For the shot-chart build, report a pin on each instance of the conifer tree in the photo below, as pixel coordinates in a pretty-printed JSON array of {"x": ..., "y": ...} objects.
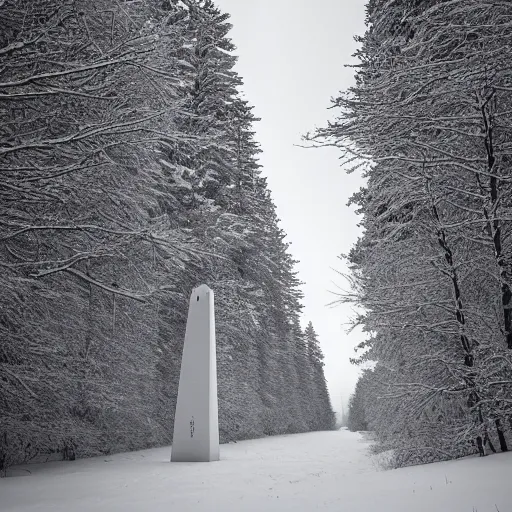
[
  {"x": 114, "y": 206},
  {"x": 323, "y": 415},
  {"x": 422, "y": 121}
]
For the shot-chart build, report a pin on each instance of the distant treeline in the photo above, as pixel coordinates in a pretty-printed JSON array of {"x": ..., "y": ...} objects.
[
  {"x": 429, "y": 123},
  {"x": 129, "y": 175}
]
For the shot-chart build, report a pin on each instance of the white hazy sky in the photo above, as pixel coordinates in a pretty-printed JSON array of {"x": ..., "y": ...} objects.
[{"x": 291, "y": 58}]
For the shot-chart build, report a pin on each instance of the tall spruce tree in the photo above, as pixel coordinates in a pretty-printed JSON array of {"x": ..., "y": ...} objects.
[
  {"x": 425, "y": 122},
  {"x": 114, "y": 206},
  {"x": 323, "y": 415}
]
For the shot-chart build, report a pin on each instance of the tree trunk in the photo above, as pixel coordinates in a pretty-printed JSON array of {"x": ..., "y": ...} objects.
[
  {"x": 501, "y": 436},
  {"x": 491, "y": 216},
  {"x": 469, "y": 360}
]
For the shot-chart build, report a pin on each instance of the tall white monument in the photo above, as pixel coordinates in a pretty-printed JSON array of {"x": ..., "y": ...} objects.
[{"x": 196, "y": 422}]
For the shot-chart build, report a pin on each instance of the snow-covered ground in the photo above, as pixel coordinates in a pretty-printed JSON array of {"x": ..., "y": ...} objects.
[{"x": 325, "y": 471}]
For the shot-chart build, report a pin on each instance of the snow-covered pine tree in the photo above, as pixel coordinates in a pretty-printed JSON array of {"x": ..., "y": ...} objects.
[
  {"x": 357, "y": 406},
  {"x": 77, "y": 180},
  {"x": 323, "y": 415},
  {"x": 424, "y": 116},
  {"x": 113, "y": 207}
]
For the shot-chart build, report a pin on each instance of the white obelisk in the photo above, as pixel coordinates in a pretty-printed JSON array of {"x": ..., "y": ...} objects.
[{"x": 196, "y": 422}]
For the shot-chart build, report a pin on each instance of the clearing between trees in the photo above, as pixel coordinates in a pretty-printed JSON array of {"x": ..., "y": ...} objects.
[{"x": 327, "y": 471}]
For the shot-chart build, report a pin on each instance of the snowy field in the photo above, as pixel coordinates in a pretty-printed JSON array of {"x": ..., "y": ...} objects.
[{"x": 325, "y": 471}]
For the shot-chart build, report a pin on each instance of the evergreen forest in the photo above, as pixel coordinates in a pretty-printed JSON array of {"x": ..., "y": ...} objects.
[
  {"x": 428, "y": 124},
  {"x": 129, "y": 175}
]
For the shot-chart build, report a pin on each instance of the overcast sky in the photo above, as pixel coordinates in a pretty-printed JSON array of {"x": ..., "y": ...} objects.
[{"x": 291, "y": 58}]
